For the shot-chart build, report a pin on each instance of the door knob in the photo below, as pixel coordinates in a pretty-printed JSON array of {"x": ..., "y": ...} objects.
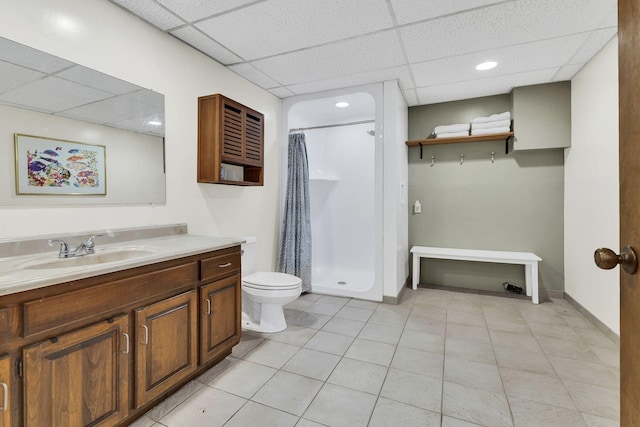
[{"x": 606, "y": 259}]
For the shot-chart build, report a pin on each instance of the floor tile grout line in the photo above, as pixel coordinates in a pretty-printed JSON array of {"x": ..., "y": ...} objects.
[{"x": 537, "y": 338}]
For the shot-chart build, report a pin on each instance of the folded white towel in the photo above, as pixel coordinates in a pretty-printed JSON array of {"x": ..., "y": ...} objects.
[
  {"x": 451, "y": 134},
  {"x": 490, "y": 131},
  {"x": 493, "y": 118},
  {"x": 489, "y": 125},
  {"x": 459, "y": 127}
]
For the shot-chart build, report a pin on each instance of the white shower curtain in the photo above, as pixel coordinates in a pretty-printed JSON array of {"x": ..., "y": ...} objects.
[{"x": 295, "y": 242}]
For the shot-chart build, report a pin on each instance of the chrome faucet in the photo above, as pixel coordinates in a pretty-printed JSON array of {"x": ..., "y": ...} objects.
[{"x": 85, "y": 248}]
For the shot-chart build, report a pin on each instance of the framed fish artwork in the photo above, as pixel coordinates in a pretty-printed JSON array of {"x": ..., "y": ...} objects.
[{"x": 50, "y": 167}]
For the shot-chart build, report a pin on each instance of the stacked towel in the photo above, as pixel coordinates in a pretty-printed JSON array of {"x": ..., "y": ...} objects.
[
  {"x": 495, "y": 123},
  {"x": 450, "y": 131}
]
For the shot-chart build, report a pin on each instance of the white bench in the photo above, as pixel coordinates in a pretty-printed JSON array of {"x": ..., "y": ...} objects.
[{"x": 528, "y": 259}]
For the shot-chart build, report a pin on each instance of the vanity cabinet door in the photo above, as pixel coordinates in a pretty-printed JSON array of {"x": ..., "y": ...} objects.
[
  {"x": 166, "y": 345},
  {"x": 79, "y": 379},
  {"x": 5, "y": 390},
  {"x": 220, "y": 317}
]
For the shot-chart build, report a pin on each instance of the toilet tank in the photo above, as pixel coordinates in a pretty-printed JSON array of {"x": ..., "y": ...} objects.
[{"x": 249, "y": 257}]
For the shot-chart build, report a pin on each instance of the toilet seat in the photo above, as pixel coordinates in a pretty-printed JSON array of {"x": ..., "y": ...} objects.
[{"x": 271, "y": 281}]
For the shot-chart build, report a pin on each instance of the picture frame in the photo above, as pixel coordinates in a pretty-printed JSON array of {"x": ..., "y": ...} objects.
[{"x": 57, "y": 167}]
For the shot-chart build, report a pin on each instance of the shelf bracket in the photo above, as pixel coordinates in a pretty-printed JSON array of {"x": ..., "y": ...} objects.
[
  {"x": 420, "y": 144},
  {"x": 506, "y": 144}
]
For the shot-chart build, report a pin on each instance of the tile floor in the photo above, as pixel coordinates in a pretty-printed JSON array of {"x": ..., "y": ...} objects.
[{"x": 439, "y": 358}]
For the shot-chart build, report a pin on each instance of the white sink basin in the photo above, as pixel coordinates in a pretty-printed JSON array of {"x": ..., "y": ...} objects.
[{"x": 109, "y": 255}]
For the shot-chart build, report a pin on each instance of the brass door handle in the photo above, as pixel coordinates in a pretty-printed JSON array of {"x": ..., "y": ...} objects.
[{"x": 606, "y": 259}]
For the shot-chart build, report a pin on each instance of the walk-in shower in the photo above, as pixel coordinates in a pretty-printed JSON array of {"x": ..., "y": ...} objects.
[{"x": 345, "y": 185}]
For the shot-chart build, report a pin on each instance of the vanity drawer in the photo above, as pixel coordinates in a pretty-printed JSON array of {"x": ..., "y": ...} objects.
[
  {"x": 220, "y": 266},
  {"x": 51, "y": 312}
]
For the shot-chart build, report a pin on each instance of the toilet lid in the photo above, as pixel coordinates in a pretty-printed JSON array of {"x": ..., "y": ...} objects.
[{"x": 271, "y": 280}]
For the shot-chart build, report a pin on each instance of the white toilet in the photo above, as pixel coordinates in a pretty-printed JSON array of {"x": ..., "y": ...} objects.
[{"x": 265, "y": 293}]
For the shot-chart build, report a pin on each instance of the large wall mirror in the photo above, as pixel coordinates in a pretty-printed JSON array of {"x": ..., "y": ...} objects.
[{"x": 52, "y": 98}]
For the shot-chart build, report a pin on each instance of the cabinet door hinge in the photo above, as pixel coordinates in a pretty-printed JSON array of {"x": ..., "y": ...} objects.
[{"x": 19, "y": 367}]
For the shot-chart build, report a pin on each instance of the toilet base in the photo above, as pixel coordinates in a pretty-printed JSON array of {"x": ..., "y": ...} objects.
[{"x": 271, "y": 319}]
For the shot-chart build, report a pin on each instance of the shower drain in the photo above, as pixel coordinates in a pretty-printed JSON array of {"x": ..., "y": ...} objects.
[{"x": 342, "y": 282}]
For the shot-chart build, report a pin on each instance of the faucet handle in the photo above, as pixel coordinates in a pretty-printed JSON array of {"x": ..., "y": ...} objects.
[
  {"x": 89, "y": 244},
  {"x": 64, "y": 248}
]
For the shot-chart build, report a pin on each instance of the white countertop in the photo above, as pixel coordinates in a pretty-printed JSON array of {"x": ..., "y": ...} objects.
[{"x": 15, "y": 278}]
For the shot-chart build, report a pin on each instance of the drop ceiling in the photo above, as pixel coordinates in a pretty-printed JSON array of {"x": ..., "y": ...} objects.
[
  {"x": 34, "y": 80},
  {"x": 431, "y": 47}
]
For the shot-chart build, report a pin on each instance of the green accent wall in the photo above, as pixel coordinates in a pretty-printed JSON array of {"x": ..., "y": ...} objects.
[{"x": 515, "y": 203}]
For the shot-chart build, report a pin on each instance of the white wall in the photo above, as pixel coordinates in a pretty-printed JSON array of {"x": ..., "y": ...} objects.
[
  {"x": 591, "y": 187},
  {"x": 100, "y": 35},
  {"x": 396, "y": 215}
]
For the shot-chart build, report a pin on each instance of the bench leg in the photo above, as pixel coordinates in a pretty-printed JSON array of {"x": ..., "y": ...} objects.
[
  {"x": 416, "y": 272},
  {"x": 531, "y": 280},
  {"x": 534, "y": 283}
]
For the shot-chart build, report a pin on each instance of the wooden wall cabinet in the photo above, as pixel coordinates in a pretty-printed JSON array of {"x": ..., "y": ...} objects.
[
  {"x": 230, "y": 136},
  {"x": 102, "y": 351}
]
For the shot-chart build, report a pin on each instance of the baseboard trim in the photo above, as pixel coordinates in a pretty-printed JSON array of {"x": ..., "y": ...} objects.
[
  {"x": 593, "y": 319},
  {"x": 396, "y": 300},
  {"x": 555, "y": 294}
]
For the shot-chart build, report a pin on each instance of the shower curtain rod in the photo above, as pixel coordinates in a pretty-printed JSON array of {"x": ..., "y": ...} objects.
[{"x": 361, "y": 122}]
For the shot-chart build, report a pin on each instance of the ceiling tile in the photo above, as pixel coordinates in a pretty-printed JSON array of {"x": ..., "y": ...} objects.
[
  {"x": 194, "y": 10},
  {"x": 594, "y": 43},
  {"x": 96, "y": 79},
  {"x": 206, "y": 45},
  {"x": 408, "y": 11},
  {"x": 359, "y": 55},
  {"x": 501, "y": 25},
  {"x": 567, "y": 72},
  {"x": 52, "y": 94},
  {"x": 512, "y": 59},
  {"x": 294, "y": 24},
  {"x": 141, "y": 124},
  {"x": 146, "y": 97},
  {"x": 281, "y": 92},
  {"x": 411, "y": 97},
  {"x": 254, "y": 75},
  {"x": 397, "y": 73},
  {"x": 28, "y": 57},
  {"x": 14, "y": 76},
  {"x": 151, "y": 12},
  {"x": 482, "y": 87},
  {"x": 110, "y": 110}
]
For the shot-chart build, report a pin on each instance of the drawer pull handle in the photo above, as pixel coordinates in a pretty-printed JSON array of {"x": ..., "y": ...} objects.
[
  {"x": 224, "y": 265},
  {"x": 146, "y": 335},
  {"x": 126, "y": 337},
  {"x": 208, "y": 306},
  {"x": 5, "y": 400}
]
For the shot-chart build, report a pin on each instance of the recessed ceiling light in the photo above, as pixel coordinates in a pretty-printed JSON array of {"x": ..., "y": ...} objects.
[
  {"x": 154, "y": 123},
  {"x": 342, "y": 104},
  {"x": 486, "y": 65}
]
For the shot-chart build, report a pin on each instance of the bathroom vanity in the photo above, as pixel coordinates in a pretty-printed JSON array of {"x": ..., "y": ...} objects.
[{"x": 101, "y": 342}]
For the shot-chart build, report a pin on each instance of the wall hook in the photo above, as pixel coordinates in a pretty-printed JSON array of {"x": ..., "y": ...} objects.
[
  {"x": 493, "y": 154},
  {"x": 433, "y": 160},
  {"x": 461, "y": 158}
]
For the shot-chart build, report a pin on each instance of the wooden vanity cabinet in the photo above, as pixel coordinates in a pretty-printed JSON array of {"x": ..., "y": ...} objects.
[
  {"x": 220, "y": 318},
  {"x": 102, "y": 351},
  {"x": 221, "y": 303},
  {"x": 166, "y": 345},
  {"x": 6, "y": 381},
  {"x": 80, "y": 378}
]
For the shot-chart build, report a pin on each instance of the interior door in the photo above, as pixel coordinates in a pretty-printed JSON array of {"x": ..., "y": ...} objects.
[{"x": 629, "y": 103}]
